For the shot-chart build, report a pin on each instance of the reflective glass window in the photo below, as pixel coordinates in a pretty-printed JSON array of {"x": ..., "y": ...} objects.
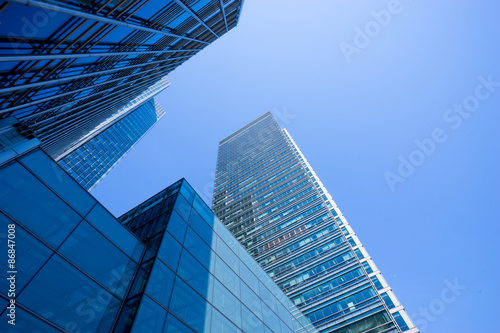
[
  {"x": 199, "y": 249},
  {"x": 65, "y": 296},
  {"x": 187, "y": 191},
  {"x": 177, "y": 226},
  {"x": 121, "y": 236},
  {"x": 96, "y": 255},
  {"x": 190, "y": 307},
  {"x": 201, "y": 227},
  {"x": 182, "y": 207},
  {"x": 170, "y": 251},
  {"x": 271, "y": 319},
  {"x": 249, "y": 278},
  {"x": 30, "y": 254},
  {"x": 227, "y": 255},
  {"x": 203, "y": 209},
  {"x": 267, "y": 297},
  {"x": 251, "y": 300},
  {"x": 195, "y": 275},
  {"x": 222, "y": 324},
  {"x": 227, "y": 303},
  {"x": 250, "y": 322},
  {"x": 227, "y": 276},
  {"x": 160, "y": 283},
  {"x": 27, "y": 200},
  {"x": 59, "y": 181},
  {"x": 173, "y": 325},
  {"x": 150, "y": 317},
  {"x": 24, "y": 323}
]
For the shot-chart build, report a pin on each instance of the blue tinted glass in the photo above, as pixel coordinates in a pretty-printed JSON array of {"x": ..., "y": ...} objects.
[
  {"x": 387, "y": 300},
  {"x": 190, "y": 307},
  {"x": 170, "y": 251},
  {"x": 251, "y": 300},
  {"x": 160, "y": 283},
  {"x": 173, "y": 325},
  {"x": 65, "y": 296},
  {"x": 27, "y": 200},
  {"x": 203, "y": 209},
  {"x": 121, "y": 236},
  {"x": 401, "y": 322},
  {"x": 60, "y": 182},
  {"x": 377, "y": 283},
  {"x": 30, "y": 254},
  {"x": 267, "y": 297},
  {"x": 250, "y": 322},
  {"x": 249, "y": 278},
  {"x": 93, "y": 253},
  {"x": 227, "y": 276},
  {"x": 201, "y": 227},
  {"x": 199, "y": 249},
  {"x": 270, "y": 318},
  {"x": 176, "y": 226},
  {"x": 221, "y": 323},
  {"x": 228, "y": 238},
  {"x": 182, "y": 207},
  {"x": 195, "y": 275},
  {"x": 227, "y": 255},
  {"x": 187, "y": 191},
  {"x": 24, "y": 322},
  {"x": 150, "y": 317},
  {"x": 227, "y": 303},
  {"x": 285, "y": 328}
]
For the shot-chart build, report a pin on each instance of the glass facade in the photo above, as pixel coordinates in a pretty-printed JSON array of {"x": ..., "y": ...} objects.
[
  {"x": 168, "y": 265},
  {"x": 67, "y": 65},
  {"x": 89, "y": 163},
  {"x": 272, "y": 201}
]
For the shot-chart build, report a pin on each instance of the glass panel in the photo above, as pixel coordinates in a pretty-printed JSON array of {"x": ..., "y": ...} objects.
[
  {"x": 267, "y": 297},
  {"x": 182, "y": 207},
  {"x": 249, "y": 278},
  {"x": 59, "y": 181},
  {"x": 251, "y": 300},
  {"x": 196, "y": 275},
  {"x": 150, "y": 317},
  {"x": 227, "y": 276},
  {"x": 30, "y": 254},
  {"x": 190, "y": 307},
  {"x": 227, "y": 255},
  {"x": 221, "y": 324},
  {"x": 27, "y": 200},
  {"x": 250, "y": 322},
  {"x": 93, "y": 253},
  {"x": 170, "y": 251},
  {"x": 109, "y": 226},
  {"x": 201, "y": 227},
  {"x": 160, "y": 283},
  {"x": 65, "y": 296},
  {"x": 187, "y": 191},
  {"x": 24, "y": 322},
  {"x": 227, "y": 303},
  {"x": 271, "y": 319},
  {"x": 176, "y": 226},
  {"x": 203, "y": 209},
  {"x": 173, "y": 325},
  {"x": 199, "y": 249}
]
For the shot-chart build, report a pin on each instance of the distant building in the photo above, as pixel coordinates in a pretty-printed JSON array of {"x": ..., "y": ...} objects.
[
  {"x": 272, "y": 201},
  {"x": 78, "y": 269},
  {"x": 67, "y": 66},
  {"x": 96, "y": 154}
]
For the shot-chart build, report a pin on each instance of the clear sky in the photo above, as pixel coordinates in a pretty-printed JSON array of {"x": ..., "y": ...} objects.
[{"x": 399, "y": 118}]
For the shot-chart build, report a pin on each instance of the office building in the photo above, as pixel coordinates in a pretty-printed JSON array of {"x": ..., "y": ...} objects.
[
  {"x": 76, "y": 268},
  {"x": 269, "y": 197},
  {"x": 66, "y": 66},
  {"x": 95, "y": 158}
]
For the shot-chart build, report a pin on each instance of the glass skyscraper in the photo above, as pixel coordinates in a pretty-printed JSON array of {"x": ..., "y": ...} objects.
[
  {"x": 92, "y": 161},
  {"x": 67, "y": 65},
  {"x": 167, "y": 266},
  {"x": 271, "y": 200}
]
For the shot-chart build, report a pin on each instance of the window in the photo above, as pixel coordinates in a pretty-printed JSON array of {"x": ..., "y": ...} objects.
[
  {"x": 160, "y": 283},
  {"x": 150, "y": 317}
]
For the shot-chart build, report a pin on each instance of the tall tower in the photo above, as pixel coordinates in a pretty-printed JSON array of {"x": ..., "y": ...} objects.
[
  {"x": 67, "y": 65},
  {"x": 269, "y": 197}
]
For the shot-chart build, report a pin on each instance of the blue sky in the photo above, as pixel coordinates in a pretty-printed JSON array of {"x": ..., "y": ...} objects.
[{"x": 386, "y": 125}]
